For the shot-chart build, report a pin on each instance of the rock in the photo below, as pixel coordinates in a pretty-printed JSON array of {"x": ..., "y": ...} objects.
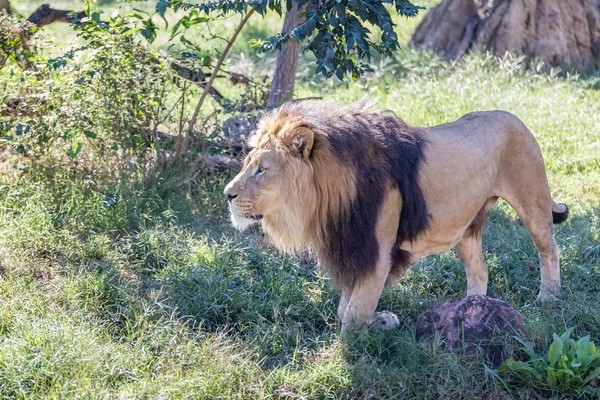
[
  {"x": 223, "y": 163},
  {"x": 475, "y": 321},
  {"x": 238, "y": 129}
]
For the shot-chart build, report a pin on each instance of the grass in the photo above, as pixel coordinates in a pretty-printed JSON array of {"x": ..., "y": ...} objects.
[{"x": 156, "y": 296}]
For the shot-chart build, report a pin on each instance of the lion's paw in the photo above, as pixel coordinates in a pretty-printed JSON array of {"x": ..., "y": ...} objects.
[
  {"x": 549, "y": 293},
  {"x": 547, "y": 297},
  {"x": 385, "y": 320}
]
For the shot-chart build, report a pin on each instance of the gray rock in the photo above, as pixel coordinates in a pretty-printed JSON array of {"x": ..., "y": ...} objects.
[
  {"x": 475, "y": 321},
  {"x": 223, "y": 162},
  {"x": 238, "y": 129}
]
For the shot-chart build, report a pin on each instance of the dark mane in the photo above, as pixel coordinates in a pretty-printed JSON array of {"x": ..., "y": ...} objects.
[{"x": 380, "y": 149}]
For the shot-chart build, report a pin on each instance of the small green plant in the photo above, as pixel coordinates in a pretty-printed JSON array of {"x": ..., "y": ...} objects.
[{"x": 569, "y": 364}]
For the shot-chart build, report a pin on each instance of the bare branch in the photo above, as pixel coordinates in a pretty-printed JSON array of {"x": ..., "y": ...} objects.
[
  {"x": 186, "y": 140},
  {"x": 46, "y": 15}
]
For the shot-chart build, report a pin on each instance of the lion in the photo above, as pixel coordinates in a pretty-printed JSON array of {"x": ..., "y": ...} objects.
[{"x": 369, "y": 194}]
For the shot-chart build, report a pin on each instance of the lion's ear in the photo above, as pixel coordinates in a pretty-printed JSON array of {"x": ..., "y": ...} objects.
[{"x": 301, "y": 141}]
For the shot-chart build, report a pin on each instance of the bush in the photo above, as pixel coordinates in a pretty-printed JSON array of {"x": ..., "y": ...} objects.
[
  {"x": 104, "y": 100},
  {"x": 569, "y": 364}
]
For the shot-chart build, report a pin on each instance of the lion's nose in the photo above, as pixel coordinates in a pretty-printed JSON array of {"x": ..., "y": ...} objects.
[{"x": 230, "y": 196}]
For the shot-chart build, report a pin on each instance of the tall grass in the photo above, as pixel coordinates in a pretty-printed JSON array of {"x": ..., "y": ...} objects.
[{"x": 129, "y": 291}]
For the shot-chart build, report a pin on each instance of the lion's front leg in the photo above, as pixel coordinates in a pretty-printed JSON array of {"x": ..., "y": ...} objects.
[
  {"x": 357, "y": 305},
  {"x": 344, "y": 299}
]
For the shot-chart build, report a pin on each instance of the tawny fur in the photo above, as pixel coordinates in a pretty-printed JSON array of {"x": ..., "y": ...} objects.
[
  {"x": 333, "y": 171},
  {"x": 312, "y": 191},
  {"x": 316, "y": 169}
]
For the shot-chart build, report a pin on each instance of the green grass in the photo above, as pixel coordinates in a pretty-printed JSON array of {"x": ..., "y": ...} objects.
[{"x": 156, "y": 296}]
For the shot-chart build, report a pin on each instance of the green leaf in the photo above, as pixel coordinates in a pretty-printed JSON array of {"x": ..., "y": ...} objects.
[
  {"x": 527, "y": 347},
  {"x": 566, "y": 334},
  {"x": 96, "y": 17},
  {"x": 515, "y": 366},
  {"x": 556, "y": 350},
  {"x": 564, "y": 375},
  {"x": 161, "y": 8},
  {"x": 583, "y": 348},
  {"x": 74, "y": 149},
  {"x": 88, "y": 6},
  {"x": 587, "y": 362},
  {"x": 551, "y": 376},
  {"x": 149, "y": 30},
  {"x": 174, "y": 30},
  {"x": 70, "y": 134},
  {"x": 22, "y": 129},
  {"x": 89, "y": 134}
]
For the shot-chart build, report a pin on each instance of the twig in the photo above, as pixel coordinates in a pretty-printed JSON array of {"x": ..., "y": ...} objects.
[
  {"x": 186, "y": 140},
  {"x": 181, "y": 115},
  {"x": 197, "y": 78},
  {"x": 45, "y": 15}
]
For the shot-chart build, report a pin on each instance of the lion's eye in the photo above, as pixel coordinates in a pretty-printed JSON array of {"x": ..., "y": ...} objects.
[{"x": 260, "y": 170}]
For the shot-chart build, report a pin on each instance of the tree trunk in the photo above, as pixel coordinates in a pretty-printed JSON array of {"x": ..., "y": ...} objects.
[
  {"x": 286, "y": 63},
  {"x": 554, "y": 31},
  {"x": 5, "y": 5}
]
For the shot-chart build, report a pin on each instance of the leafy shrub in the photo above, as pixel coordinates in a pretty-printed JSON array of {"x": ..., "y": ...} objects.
[
  {"x": 13, "y": 39},
  {"x": 114, "y": 99},
  {"x": 569, "y": 364},
  {"x": 105, "y": 97}
]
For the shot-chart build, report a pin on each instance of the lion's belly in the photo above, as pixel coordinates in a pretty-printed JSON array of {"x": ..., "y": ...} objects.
[
  {"x": 451, "y": 213},
  {"x": 429, "y": 244}
]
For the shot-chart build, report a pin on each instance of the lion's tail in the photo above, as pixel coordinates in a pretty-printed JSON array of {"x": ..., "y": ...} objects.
[{"x": 560, "y": 212}]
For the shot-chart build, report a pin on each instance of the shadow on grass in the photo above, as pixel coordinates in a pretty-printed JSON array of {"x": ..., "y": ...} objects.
[
  {"x": 192, "y": 267},
  {"x": 281, "y": 308}
]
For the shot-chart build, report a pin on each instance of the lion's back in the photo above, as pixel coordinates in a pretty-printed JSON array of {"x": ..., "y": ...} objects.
[{"x": 484, "y": 132}]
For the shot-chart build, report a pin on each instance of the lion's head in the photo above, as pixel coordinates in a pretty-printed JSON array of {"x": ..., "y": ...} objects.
[{"x": 276, "y": 185}]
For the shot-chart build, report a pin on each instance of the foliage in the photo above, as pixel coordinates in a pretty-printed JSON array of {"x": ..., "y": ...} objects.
[
  {"x": 129, "y": 290},
  {"x": 107, "y": 96},
  {"x": 113, "y": 97},
  {"x": 568, "y": 363},
  {"x": 13, "y": 39},
  {"x": 336, "y": 31}
]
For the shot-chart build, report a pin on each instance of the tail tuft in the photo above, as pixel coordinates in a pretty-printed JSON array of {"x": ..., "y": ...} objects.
[{"x": 559, "y": 217}]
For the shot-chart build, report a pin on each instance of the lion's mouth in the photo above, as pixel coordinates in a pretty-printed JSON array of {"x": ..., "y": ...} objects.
[{"x": 242, "y": 220}]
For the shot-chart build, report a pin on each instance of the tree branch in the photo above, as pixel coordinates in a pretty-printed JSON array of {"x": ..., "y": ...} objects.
[
  {"x": 46, "y": 15},
  {"x": 186, "y": 140}
]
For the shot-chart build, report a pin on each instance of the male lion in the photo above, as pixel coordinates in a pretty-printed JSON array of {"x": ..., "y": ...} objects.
[{"x": 370, "y": 194}]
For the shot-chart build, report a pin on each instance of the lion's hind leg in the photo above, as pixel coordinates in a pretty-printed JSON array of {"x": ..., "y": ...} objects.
[
  {"x": 523, "y": 183},
  {"x": 470, "y": 252},
  {"x": 538, "y": 212},
  {"x": 539, "y": 224}
]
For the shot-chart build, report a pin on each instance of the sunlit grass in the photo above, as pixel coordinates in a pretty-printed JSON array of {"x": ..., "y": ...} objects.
[{"x": 157, "y": 297}]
